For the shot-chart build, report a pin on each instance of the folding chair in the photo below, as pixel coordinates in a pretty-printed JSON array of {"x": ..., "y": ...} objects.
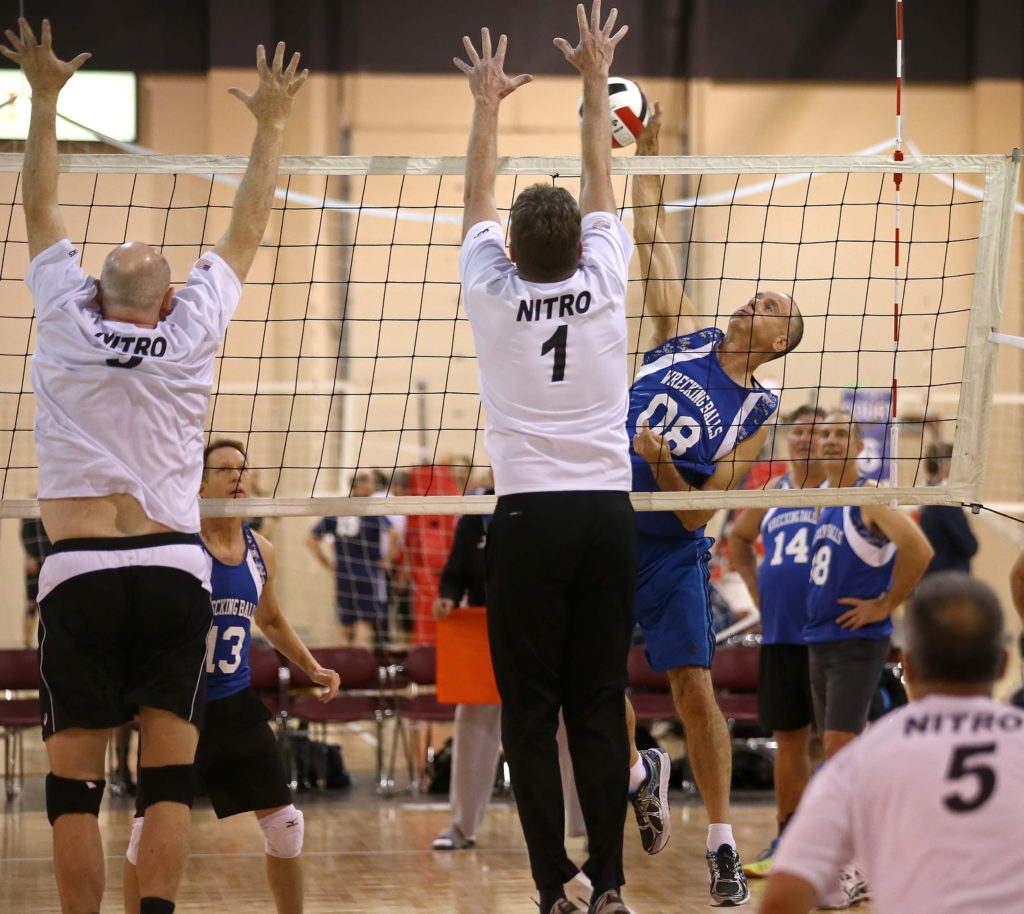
[
  {"x": 19, "y": 672},
  {"x": 360, "y": 697},
  {"x": 420, "y": 706}
]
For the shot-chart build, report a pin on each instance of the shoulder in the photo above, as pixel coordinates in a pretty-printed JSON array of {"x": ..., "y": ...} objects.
[{"x": 698, "y": 342}]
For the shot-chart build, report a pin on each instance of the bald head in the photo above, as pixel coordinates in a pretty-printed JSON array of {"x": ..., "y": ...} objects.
[
  {"x": 955, "y": 631},
  {"x": 134, "y": 281}
]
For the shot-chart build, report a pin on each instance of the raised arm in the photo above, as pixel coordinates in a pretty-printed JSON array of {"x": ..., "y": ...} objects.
[
  {"x": 279, "y": 631},
  {"x": 46, "y": 76},
  {"x": 271, "y": 105},
  {"x": 665, "y": 302},
  {"x": 489, "y": 85},
  {"x": 593, "y": 58}
]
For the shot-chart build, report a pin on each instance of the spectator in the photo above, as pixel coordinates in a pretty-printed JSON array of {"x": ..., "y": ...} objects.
[{"x": 945, "y": 526}]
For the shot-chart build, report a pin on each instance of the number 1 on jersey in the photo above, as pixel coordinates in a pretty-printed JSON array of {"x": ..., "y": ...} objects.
[{"x": 557, "y": 341}]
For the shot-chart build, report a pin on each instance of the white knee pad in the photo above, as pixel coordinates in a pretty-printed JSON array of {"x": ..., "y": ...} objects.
[
  {"x": 133, "y": 842},
  {"x": 282, "y": 831}
]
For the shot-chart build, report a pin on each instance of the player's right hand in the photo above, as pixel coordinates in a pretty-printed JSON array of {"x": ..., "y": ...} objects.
[
  {"x": 271, "y": 103},
  {"x": 46, "y": 74},
  {"x": 647, "y": 142}
]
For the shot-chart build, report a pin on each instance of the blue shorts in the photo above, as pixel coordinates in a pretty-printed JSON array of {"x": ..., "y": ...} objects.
[
  {"x": 362, "y": 599},
  {"x": 673, "y": 601}
]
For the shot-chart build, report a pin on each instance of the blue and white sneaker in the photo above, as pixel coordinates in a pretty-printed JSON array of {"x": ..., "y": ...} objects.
[{"x": 650, "y": 802}]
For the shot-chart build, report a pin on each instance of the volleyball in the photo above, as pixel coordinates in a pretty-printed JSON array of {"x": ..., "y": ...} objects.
[{"x": 629, "y": 110}]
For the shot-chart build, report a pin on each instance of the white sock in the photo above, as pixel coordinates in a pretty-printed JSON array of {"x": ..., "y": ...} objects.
[
  {"x": 719, "y": 834},
  {"x": 637, "y": 773}
]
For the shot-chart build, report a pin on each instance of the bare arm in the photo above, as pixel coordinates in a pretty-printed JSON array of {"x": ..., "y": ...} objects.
[
  {"x": 741, "y": 538},
  {"x": 593, "y": 58},
  {"x": 280, "y": 633},
  {"x": 1017, "y": 585},
  {"x": 913, "y": 553},
  {"x": 665, "y": 302},
  {"x": 47, "y": 76},
  {"x": 730, "y": 470},
  {"x": 489, "y": 85},
  {"x": 313, "y": 545},
  {"x": 271, "y": 105}
]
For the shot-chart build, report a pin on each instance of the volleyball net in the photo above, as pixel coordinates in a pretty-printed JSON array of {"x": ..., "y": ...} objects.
[{"x": 350, "y": 350}]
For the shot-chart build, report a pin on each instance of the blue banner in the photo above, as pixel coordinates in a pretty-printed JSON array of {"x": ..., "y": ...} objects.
[{"x": 871, "y": 407}]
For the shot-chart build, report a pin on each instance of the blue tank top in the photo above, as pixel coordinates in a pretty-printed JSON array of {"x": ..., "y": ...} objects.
[
  {"x": 235, "y": 594},
  {"x": 847, "y": 560},
  {"x": 782, "y": 577},
  {"x": 684, "y": 394}
]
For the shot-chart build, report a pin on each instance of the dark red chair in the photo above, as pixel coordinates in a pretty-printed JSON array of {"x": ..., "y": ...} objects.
[
  {"x": 271, "y": 678},
  {"x": 649, "y": 692},
  {"x": 418, "y": 706},
  {"x": 361, "y": 696},
  {"x": 734, "y": 676},
  {"x": 19, "y": 672}
]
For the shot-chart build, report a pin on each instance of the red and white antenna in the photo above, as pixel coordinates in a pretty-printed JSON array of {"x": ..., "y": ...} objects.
[{"x": 897, "y": 179}]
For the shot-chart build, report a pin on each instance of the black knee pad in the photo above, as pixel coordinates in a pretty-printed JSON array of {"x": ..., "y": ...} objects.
[
  {"x": 166, "y": 784},
  {"x": 66, "y": 795}
]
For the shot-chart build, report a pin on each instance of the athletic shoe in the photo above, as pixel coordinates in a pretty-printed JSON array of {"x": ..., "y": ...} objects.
[
  {"x": 854, "y": 885},
  {"x": 609, "y": 902},
  {"x": 650, "y": 802},
  {"x": 728, "y": 886},
  {"x": 451, "y": 839},
  {"x": 762, "y": 866},
  {"x": 564, "y": 906}
]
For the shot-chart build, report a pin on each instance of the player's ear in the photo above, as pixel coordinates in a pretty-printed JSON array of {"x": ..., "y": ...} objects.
[
  {"x": 1003, "y": 661},
  {"x": 167, "y": 303},
  {"x": 99, "y": 292},
  {"x": 781, "y": 343},
  {"x": 512, "y": 253}
]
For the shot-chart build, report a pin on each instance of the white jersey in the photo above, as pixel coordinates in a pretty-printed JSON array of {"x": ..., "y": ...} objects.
[
  {"x": 120, "y": 408},
  {"x": 928, "y": 803},
  {"x": 552, "y": 357}
]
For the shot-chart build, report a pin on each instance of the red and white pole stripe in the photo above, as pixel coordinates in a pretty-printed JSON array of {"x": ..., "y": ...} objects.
[{"x": 897, "y": 180}]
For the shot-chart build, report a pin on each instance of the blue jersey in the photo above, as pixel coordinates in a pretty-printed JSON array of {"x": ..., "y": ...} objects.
[
  {"x": 847, "y": 560},
  {"x": 684, "y": 394},
  {"x": 358, "y": 545},
  {"x": 782, "y": 577},
  {"x": 236, "y": 591}
]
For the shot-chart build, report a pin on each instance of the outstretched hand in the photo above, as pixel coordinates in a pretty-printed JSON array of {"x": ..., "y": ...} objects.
[
  {"x": 271, "y": 103},
  {"x": 46, "y": 74},
  {"x": 647, "y": 142},
  {"x": 487, "y": 78},
  {"x": 597, "y": 45}
]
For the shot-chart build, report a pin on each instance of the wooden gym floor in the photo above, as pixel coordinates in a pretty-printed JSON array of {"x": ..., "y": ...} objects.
[{"x": 365, "y": 853}]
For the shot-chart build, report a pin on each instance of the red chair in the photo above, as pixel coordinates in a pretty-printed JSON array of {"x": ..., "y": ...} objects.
[
  {"x": 360, "y": 697},
  {"x": 19, "y": 672},
  {"x": 734, "y": 676},
  {"x": 271, "y": 678},
  {"x": 420, "y": 706},
  {"x": 649, "y": 692}
]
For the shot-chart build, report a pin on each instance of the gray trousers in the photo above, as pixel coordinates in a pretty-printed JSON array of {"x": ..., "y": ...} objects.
[{"x": 476, "y": 744}]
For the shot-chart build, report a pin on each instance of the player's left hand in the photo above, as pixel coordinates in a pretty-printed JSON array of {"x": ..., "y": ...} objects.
[
  {"x": 329, "y": 680},
  {"x": 864, "y": 612}
]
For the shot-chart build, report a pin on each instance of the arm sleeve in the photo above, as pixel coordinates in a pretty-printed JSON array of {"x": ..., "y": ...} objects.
[
  {"x": 323, "y": 527},
  {"x": 818, "y": 841},
  {"x": 455, "y": 578},
  {"x": 55, "y": 278},
  {"x": 205, "y": 306},
  {"x": 959, "y": 530},
  {"x": 482, "y": 254},
  {"x": 607, "y": 247}
]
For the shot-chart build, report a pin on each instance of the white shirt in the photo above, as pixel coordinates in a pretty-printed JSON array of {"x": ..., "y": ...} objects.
[
  {"x": 122, "y": 408},
  {"x": 552, "y": 357},
  {"x": 929, "y": 803}
]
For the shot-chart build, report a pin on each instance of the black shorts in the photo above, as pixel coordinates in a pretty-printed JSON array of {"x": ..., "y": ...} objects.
[
  {"x": 122, "y": 625},
  {"x": 784, "y": 688},
  {"x": 238, "y": 761}
]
